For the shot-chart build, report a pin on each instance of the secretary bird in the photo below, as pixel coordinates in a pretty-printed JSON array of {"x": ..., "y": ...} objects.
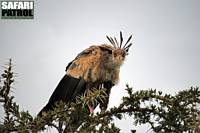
[{"x": 94, "y": 68}]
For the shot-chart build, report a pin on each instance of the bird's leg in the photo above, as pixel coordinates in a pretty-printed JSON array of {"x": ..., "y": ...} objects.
[
  {"x": 104, "y": 103},
  {"x": 91, "y": 109},
  {"x": 86, "y": 93}
]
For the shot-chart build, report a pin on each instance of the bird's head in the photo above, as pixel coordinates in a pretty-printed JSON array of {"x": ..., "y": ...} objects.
[{"x": 119, "y": 50}]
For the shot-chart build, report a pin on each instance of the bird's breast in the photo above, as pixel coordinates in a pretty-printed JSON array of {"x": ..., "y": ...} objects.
[{"x": 104, "y": 74}]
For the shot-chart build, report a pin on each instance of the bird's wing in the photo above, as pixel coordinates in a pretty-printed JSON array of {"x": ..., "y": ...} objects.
[
  {"x": 74, "y": 82},
  {"x": 85, "y": 64},
  {"x": 64, "y": 92}
]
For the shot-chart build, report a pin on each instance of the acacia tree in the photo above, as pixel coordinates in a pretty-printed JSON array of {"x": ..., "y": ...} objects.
[{"x": 163, "y": 112}]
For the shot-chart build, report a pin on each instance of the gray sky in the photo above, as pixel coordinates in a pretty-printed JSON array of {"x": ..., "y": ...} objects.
[{"x": 165, "y": 54}]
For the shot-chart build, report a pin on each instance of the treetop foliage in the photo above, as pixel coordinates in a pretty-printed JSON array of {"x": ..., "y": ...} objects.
[{"x": 163, "y": 112}]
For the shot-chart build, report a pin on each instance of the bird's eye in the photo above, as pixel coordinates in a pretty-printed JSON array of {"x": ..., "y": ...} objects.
[{"x": 115, "y": 54}]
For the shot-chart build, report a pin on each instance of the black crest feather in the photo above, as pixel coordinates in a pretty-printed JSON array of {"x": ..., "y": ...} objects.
[{"x": 116, "y": 44}]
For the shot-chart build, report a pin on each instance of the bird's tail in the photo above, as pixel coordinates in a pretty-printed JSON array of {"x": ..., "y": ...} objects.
[{"x": 46, "y": 108}]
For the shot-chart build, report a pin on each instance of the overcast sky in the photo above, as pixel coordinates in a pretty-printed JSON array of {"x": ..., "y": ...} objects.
[{"x": 165, "y": 52}]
